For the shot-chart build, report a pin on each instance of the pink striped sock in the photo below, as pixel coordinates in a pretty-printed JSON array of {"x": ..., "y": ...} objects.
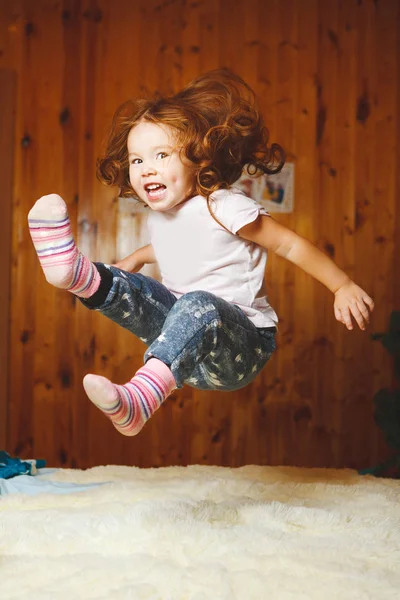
[
  {"x": 129, "y": 406},
  {"x": 63, "y": 265}
]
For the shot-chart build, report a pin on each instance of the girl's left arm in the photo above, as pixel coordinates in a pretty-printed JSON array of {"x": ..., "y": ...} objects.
[{"x": 350, "y": 299}]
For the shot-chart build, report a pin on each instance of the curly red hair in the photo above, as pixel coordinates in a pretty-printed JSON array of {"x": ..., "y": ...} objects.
[{"x": 217, "y": 126}]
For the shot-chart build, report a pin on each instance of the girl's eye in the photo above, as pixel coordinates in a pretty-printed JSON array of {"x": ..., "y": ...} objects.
[
  {"x": 161, "y": 155},
  {"x": 136, "y": 161}
]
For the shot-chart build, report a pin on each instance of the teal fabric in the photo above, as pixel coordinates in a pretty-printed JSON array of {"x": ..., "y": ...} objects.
[{"x": 10, "y": 467}]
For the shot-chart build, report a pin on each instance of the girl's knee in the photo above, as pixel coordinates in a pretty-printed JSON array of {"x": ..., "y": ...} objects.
[
  {"x": 198, "y": 303},
  {"x": 196, "y": 312}
]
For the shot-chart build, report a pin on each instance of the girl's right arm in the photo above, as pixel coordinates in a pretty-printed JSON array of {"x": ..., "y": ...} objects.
[{"x": 135, "y": 261}]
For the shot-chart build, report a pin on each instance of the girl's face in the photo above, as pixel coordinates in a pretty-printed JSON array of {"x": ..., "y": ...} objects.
[{"x": 156, "y": 171}]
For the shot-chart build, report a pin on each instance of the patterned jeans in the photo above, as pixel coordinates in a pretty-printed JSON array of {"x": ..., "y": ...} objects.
[{"x": 208, "y": 343}]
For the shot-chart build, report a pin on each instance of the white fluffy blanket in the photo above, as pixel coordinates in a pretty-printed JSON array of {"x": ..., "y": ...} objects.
[{"x": 204, "y": 533}]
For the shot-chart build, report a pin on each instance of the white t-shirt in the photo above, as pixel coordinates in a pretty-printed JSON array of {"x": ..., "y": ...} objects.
[{"x": 195, "y": 253}]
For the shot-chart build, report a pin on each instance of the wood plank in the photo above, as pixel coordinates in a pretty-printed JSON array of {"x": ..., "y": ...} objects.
[
  {"x": 396, "y": 262},
  {"x": 386, "y": 106},
  {"x": 305, "y": 422},
  {"x": 328, "y": 225},
  {"x": 8, "y": 91},
  {"x": 24, "y": 262}
]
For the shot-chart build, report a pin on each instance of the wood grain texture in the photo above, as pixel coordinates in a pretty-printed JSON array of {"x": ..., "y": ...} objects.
[
  {"x": 8, "y": 94},
  {"x": 327, "y": 75}
]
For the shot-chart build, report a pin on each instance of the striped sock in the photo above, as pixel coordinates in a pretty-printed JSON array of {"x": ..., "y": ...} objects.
[
  {"x": 63, "y": 265},
  {"x": 129, "y": 406}
]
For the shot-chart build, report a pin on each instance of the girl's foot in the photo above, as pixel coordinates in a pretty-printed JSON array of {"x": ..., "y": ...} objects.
[
  {"x": 129, "y": 406},
  {"x": 63, "y": 265}
]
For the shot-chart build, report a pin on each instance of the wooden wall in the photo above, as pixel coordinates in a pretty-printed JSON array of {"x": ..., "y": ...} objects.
[{"x": 327, "y": 75}]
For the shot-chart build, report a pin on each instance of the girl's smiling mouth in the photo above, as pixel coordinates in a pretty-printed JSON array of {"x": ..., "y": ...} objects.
[{"x": 155, "y": 190}]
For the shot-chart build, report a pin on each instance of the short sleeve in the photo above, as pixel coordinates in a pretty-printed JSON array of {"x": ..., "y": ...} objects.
[{"x": 235, "y": 210}]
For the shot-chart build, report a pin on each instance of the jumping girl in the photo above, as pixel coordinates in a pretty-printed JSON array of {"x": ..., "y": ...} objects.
[{"x": 209, "y": 323}]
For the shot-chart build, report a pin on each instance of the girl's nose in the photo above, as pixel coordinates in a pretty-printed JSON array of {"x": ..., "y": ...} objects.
[{"x": 148, "y": 169}]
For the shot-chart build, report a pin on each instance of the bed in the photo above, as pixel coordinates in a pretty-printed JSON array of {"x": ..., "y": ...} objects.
[{"x": 200, "y": 533}]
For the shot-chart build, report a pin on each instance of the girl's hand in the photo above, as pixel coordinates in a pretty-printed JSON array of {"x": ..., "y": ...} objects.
[
  {"x": 352, "y": 301},
  {"x": 136, "y": 261},
  {"x": 129, "y": 264}
]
